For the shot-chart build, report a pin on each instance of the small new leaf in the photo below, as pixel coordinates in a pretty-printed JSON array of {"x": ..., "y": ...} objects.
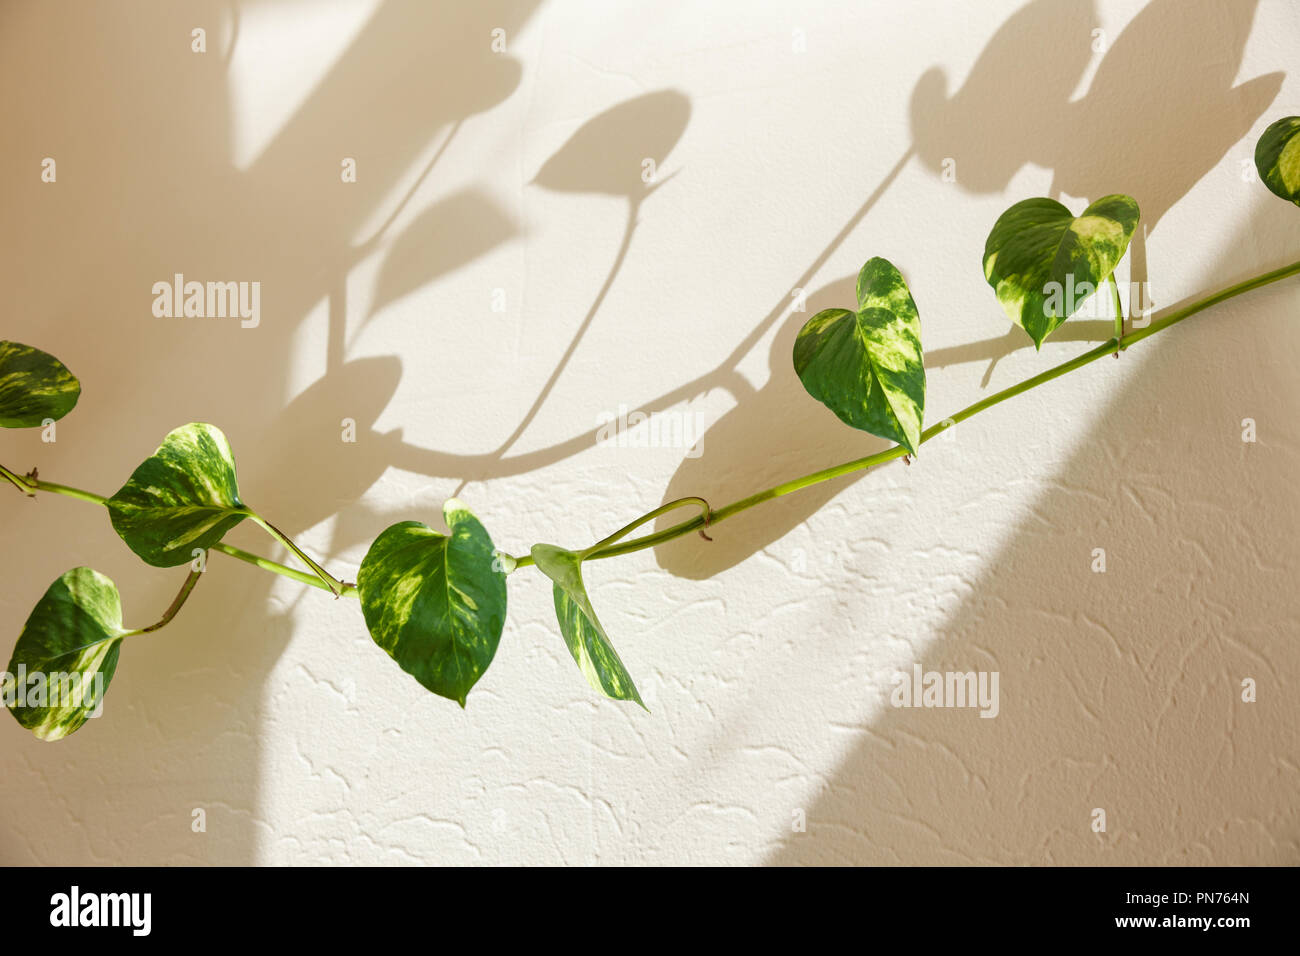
[
  {"x": 184, "y": 496},
  {"x": 436, "y": 603},
  {"x": 66, "y": 654},
  {"x": 1044, "y": 263},
  {"x": 1277, "y": 157},
  {"x": 34, "y": 387},
  {"x": 867, "y": 366},
  {"x": 583, "y": 634}
]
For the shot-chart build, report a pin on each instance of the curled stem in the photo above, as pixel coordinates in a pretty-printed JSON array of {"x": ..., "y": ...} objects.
[{"x": 627, "y": 529}]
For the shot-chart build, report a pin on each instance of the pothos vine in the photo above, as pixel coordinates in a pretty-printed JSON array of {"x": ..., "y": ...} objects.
[{"x": 436, "y": 603}]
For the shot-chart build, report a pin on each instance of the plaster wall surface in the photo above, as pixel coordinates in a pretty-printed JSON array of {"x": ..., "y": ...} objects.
[{"x": 500, "y": 280}]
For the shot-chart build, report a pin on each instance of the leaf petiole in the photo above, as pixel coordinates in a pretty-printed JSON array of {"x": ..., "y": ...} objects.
[
  {"x": 175, "y": 607},
  {"x": 1119, "y": 311},
  {"x": 29, "y": 486},
  {"x": 302, "y": 577},
  {"x": 335, "y": 586}
]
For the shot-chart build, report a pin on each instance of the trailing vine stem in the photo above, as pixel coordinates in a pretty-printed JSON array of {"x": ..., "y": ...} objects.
[
  {"x": 1111, "y": 347},
  {"x": 30, "y": 484},
  {"x": 613, "y": 545}
]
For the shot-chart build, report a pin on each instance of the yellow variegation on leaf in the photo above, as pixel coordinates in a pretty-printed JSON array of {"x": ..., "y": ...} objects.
[
  {"x": 867, "y": 365},
  {"x": 1044, "y": 262},
  {"x": 1277, "y": 157},
  {"x": 66, "y": 654},
  {"x": 583, "y": 633},
  {"x": 183, "y": 498},
  {"x": 436, "y": 603},
  {"x": 35, "y": 387}
]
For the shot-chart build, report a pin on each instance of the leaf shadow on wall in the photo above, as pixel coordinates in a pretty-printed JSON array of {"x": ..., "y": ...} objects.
[
  {"x": 602, "y": 157},
  {"x": 144, "y": 131},
  {"x": 992, "y": 143},
  {"x": 1117, "y": 690},
  {"x": 1184, "y": 55},
  {"x": 129, "y": 216},
  {"x": 779, "y": 432}
]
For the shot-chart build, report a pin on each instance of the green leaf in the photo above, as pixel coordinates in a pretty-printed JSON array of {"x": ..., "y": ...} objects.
[
  {"x": 34, "y": 386},
  {"x": 72, "y": 639},
  {"x": 1044, "y": 263},
  {"x": 866, "y": 366},
  {"x": 582, "y": 631},
  {"x": 185, "y": 496},
  {"x": 1277, "y": 157},
  {"x": 436, "y": 603}
]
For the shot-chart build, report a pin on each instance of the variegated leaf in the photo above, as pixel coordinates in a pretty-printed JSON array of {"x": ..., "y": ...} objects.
[
  {"x": 1277, "y": 157},
  {"x": 34, "y": 387},
  {"x": 1044, "y": 263},
  {"x": 436, "y": 603},
  {"x": 582, "y": 630},
  {"x": 183, "y": 497},
  {"x": 867, "y": 366},
  {"x": 71, "y": 640}
]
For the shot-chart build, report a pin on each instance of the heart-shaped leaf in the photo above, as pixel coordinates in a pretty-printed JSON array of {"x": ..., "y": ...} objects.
[
  {"x": 1277, "y": 157},
  {"x": 66, "y": 654},
  {"x": 582, "y": 631},
  {"x": 867, "y": 366},
  {"x": 1043, "y": 262},
  {"x": 183, "y": 497},
  {"x": 34, "y": 386},
  {"x": 436, "y": 603}
]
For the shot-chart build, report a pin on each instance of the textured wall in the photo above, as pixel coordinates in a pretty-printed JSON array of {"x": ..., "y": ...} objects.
[{"x": 792, "y": 142}]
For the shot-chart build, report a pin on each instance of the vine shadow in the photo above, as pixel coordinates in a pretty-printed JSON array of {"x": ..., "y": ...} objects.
[
  {"x": 1118, "y": 690},
  {"x": 778, "y": 432},
  {"x": 143, "y": 129},
  {"x": 193, "y": 206}
]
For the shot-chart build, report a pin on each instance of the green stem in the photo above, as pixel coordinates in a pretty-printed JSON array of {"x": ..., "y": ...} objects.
[
  {"x": 302, "y": 577},
  {"x": 29, "y": 486},
  {"x": 17, "y": 482},
  {"x": 333, "y": 584},
  {"x": 705, "y": 517},
  {"x": 609, "y": 547},
  {"x": 1110, "y": 347},
  {"x": 176, "y": 604},
  {"x": 67, "y": 492}
]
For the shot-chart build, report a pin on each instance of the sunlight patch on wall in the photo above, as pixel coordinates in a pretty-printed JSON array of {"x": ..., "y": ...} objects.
[{"x": 282, "y": 53}]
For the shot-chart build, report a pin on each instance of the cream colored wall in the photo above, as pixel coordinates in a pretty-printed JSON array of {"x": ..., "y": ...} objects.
[{"x": 766, "y": 657}]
